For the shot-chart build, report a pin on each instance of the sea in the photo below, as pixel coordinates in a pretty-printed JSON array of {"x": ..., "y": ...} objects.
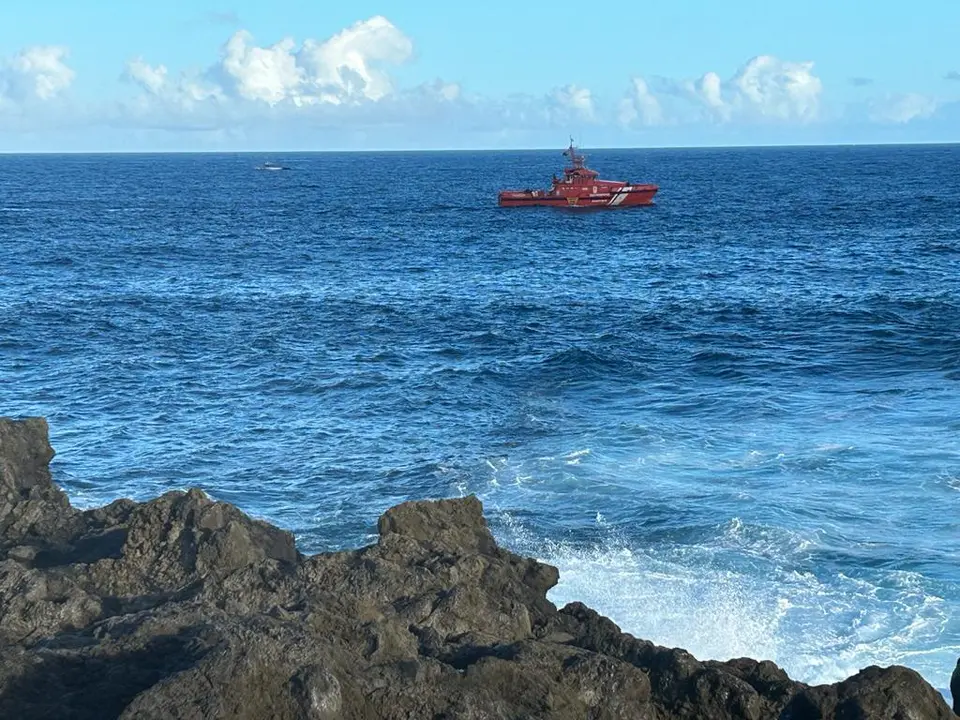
[{"x": 731, "y": 419}]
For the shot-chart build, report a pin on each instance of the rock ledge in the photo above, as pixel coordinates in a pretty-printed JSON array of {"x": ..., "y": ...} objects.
[{"x": 183, "y": 607}]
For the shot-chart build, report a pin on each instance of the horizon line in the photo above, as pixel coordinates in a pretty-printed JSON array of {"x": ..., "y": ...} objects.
[{"x": 919, "y": 143}]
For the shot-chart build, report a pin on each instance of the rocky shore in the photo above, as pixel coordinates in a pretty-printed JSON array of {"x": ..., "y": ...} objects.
[{"x": 182, "y": 607}]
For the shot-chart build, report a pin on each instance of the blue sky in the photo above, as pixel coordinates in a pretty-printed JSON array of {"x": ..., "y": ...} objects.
[{"x": 292, "y": 74}]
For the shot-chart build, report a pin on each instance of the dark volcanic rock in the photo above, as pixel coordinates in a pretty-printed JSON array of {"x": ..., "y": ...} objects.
[
  {"x": 896, "y": 692},
  {"x": 34, "y": 512},
  {"x": 955, "y": 688},
  {"x": 183, "y": 607}
]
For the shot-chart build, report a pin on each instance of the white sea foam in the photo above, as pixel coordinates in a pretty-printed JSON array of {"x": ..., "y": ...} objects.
[
  {"x": 834, "y": 447},
  {"x": 574, "y": 457},
  {"x": 820, "y": 630}
]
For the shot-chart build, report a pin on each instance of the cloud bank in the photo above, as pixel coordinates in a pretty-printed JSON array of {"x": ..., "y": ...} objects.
[
  {"x": 764, "y": 89},
  {"x": 343, "y": 89},
  {"x": 901, "y": 109},
  {"x": 348, "y": 67}
]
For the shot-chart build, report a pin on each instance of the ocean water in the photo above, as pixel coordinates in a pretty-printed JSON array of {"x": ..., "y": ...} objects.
[{"x": 732, "y": 419}]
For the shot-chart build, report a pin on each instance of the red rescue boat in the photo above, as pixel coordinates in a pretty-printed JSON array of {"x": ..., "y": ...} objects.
[{"x": 581, "y": 187}]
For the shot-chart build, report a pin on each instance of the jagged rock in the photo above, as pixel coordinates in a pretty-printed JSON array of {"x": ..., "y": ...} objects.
[
  {"x": 35, "y": 603},
  {"x": 897, "y": 693},
  {"x": 452, "y": 525},
  {"x": 33, "y": 511},
  {"x": 183, "y": 607},
  {"x": 179, "y": 538}
]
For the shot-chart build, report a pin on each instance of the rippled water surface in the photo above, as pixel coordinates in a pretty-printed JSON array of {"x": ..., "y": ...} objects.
[{"x": 732, "y": 420}]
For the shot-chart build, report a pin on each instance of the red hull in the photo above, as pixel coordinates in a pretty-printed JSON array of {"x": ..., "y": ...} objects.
[
  {"x": 624, "y": 196},
  {"x": 581, "y": 187}
]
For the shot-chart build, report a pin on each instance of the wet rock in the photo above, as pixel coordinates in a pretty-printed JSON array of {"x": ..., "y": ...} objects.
[
  {"x": 897, "y": 693},
  {"x": 183, "y": 607}
]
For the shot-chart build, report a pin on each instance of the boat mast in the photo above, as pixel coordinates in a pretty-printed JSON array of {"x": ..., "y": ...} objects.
[{"x": 571, "y": 152}]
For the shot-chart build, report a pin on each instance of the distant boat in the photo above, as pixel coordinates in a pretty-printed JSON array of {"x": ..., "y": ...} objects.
[
  {"x": 272, "y": 166},
  {"x": 581, "y": 187}
]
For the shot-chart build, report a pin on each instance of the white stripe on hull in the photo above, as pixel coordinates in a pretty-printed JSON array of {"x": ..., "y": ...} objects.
[{"x": 618, "y": 198}]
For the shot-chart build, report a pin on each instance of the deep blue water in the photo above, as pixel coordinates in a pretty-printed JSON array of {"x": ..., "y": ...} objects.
[{"x": 732, "y": 419}]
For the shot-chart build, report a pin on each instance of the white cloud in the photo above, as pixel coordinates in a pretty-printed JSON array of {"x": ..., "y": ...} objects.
[
  {"x": 38, "y": 72},
  {"x": 346, "y": 68},
  {"x": 437, "y": 91},
  {"x": 901, "y": 109},
  {"x": 575, "y": 98},
  {"x": 185, "y": 93},
  {"x": 269, "y": 74},
  {"x": 779, "y": 89},
  {"x": 151, "y": 79},
  {"x": 709, "y": 90},
  {"x": 640, "y": 105},
  {"x": 449, "y": 91},
  {"x": 346, "y": 65},
  {"x": 764, "y": 88}
]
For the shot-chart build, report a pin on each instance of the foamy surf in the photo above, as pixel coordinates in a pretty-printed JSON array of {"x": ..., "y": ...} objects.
[{"x": 820, "y": 630}]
